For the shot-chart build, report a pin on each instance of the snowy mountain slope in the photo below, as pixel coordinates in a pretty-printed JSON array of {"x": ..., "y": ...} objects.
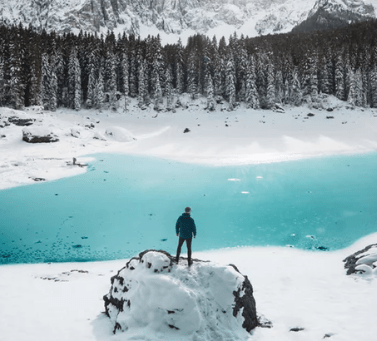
[
  {"x": 327, "y": 14},
  {"x": 171, "y": 18}
]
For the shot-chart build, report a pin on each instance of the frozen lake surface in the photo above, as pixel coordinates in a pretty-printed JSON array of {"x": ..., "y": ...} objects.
[{"x": 125, "y": 204}]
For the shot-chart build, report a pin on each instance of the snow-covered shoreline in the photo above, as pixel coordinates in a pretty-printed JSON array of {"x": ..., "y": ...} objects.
[
  {"x": 242, "y": 136},
  {"x": 292, "y": 288}
]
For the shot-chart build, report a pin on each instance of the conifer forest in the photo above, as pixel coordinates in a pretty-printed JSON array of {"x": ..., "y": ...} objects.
[{"x": 91, "y": 71}]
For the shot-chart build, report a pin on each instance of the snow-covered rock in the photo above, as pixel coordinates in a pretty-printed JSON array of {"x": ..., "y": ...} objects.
[
  {"x": 38, "y": 135},
  {"x": 363, "y": 262},
  {"x": 119, "y": 134},
  {"x": 153, "y": 292}
]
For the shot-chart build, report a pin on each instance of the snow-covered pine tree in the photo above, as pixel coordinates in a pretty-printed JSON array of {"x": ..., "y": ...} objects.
[
  {"x": 91, "y": 81},
  {"x": 2, "y": 82},
  {"x": 270, "y": 86},
  {"x": 192, "y": 76},
  {"x": 251, "y": 95},
  {"x": 110, "y": 78},
  {"x": 180, "y": 84},
  {"x": 49, "y": 84},
  {"x": 295, "y": 89},
  {"x": 352, "y": 95},
  {"x": 230, "y": 83},
  {"x": 141, "y": 83},
  {"x": 241, "y": 73},
  {"x": 16, "y": 86},
  {"x": 209, "y": 92},
  {"x": 373, "y": 86},
  {"x": 132, "y": 76},
  {"x": 74, "y": 81},
  {"x": 124, "y": 86},
  {"x": 361, "y": 96},
  {"x": 339, "y": 77},
  {"x": 169, "y": 88},
  {"x": 99, "y": 91}
]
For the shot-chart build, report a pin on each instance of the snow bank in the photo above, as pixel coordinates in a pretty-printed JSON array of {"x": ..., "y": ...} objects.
[
  {"x": 173, "y": 301},
  {"x": 119, "y": 134}
]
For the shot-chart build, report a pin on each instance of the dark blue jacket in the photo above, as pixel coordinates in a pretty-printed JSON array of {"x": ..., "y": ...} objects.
[{"x": 185, "y": 226}]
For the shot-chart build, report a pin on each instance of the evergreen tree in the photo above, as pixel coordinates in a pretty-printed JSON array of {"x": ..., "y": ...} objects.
[
  {"x": 251, "y": 95},
  {"x": 2, "y": 82},
  {"x": 49, "y": 85},
  {"x": 339, "y": 78},
  {"x": 192, "y": 76},
  {"x": 16, "y": 86},
  {"x": 209, "y": 92},
  {"x": 230, "y": 83},
  {"x": 110, "y": 78},
  {"x": 124, "y": 85},
  {"x": 74, "y": 81},
  {"x": 91, "y": 81},
  {"x": 270, "y": 88},
  {"x": 99, "y": 91},
  {"x": 142, "y": 86},
  {"x": 295, "y": 89},
  {"x": 169, "y": 88}
]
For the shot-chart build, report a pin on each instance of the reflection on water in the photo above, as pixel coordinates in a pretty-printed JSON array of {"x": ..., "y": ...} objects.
[{"x": 125, "y": 204}]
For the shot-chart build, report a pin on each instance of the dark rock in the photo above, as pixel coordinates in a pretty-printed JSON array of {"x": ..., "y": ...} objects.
[
  {"x": 29, "y": 137},
  {"x": 4, "y": 124},
  {"x": 187, "y": 130},
  {"x": 322, "y": 248},
  {"x": 310, "y": 115},
  {"x": 350, "y": 261},
  {"x": 330, "y": 109},
  {"x": 296, "y": 329},
  {"x": 37, "y": 179},
  {"x": 22, "y": 122},
  {"x": 143, "y": 271},
  {"x": 329, "y": 117}
]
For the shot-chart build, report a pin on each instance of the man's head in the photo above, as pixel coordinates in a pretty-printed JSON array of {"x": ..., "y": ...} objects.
[{"x": 188, "y": 210}]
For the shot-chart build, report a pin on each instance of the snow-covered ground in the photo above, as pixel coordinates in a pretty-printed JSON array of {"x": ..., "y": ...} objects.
[
  {"x": 292, "y": 288},
  {"x": 220, "y": 137}
]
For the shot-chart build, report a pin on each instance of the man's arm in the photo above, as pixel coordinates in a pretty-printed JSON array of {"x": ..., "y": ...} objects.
[
  {"x": 177, "y": 227},
  {"x": 193, "y": 228}
]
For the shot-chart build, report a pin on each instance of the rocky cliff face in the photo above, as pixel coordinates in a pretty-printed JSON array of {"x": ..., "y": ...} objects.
[
  {"x": 174, "y": 17},
  {"x": 327, "y": 14}
]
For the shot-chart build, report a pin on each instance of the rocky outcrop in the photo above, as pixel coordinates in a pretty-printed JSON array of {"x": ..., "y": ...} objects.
[
  {"x": 153, "y": 291},
  {"x": 363, "y": 262},
  {"x": 38, "y": 135}
]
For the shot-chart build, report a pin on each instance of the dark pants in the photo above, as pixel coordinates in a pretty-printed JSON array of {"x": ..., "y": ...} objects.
[{"x": 188, "y": 243}]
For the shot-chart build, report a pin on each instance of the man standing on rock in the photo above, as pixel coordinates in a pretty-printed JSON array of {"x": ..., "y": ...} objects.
[{"x": 185, "y": 229}]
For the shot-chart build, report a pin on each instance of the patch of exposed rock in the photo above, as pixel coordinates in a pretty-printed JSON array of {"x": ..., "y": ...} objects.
[
  {"x": 153, "y": 291},
  {"x": 363, "y": 262},
  {"x": 38, "y": 135}
]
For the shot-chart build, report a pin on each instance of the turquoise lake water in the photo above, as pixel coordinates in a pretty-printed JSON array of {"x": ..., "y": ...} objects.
[{"x": 126, "y": 204}]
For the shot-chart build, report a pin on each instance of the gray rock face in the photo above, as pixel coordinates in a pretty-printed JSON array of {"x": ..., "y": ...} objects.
[
  {"x": 363, "y": 261},
  {"x": 152, "y": 290},
  {"x": 250, "y": 17}
]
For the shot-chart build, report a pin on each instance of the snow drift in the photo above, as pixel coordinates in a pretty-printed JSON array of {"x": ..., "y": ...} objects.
[{"x": 172, "y": 300}]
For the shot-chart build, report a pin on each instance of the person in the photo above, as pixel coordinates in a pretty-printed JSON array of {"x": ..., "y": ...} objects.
[{"x": 185, "y": 229}]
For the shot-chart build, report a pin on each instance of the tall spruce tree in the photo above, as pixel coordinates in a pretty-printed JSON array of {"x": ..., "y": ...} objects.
[{"x": 74, "y": 81}]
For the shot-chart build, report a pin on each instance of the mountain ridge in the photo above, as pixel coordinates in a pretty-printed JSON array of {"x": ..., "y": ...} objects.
[{"x": 175, "y": 18}]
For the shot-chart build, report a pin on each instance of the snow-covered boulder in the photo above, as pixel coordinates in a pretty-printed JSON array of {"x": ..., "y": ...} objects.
[
  {"x": 173, "y": 301},
  {"x": 363, "y": 262},
  {"x": 119, "y": 134},
  {"x": 38, "y": 135}
]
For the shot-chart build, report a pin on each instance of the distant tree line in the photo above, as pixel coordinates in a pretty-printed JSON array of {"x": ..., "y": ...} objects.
[{"x": 91, "y": 71}]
